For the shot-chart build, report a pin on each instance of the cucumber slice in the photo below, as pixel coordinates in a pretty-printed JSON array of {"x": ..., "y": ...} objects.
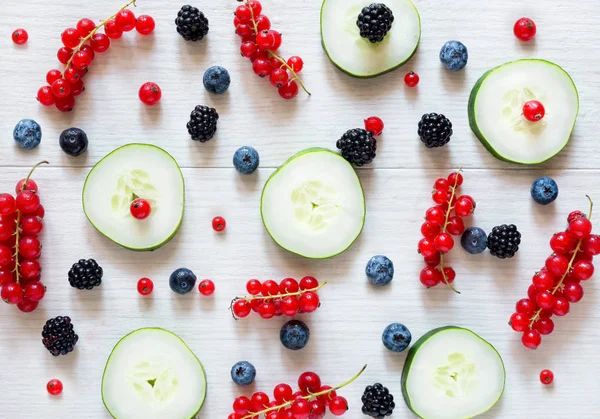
[
  {"x": 355, "y": 55},
  {"x": 314, "y": 204},
  {"x": 452, "y": 373},
  {"x": 496, "y": 103},
  {"x": 130, "y": 172},
  {"x": 152, "y": 374}
]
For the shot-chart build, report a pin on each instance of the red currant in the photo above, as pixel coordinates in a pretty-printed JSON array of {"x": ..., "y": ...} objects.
[
  {"x": 261, "y": 54},
  {"x": 574, "y": 215},
  {"x": 301, "y": 409},
  {"x": 243, "y": 13},
  {"x": 54, "y": 387},
  {"x": 65, "y": 104},
  {"x": 297, "y": 64},
  {"x": 562, "y": 243},
  {"x": 411, "y": 79},
  {"x": 573, "y": 292},
  {"x": 81, "y": 60},
  {"x": 30, "y": 269},
  {"x": 546, "y": 377},
  {"x": 374, "y": 124},
  {"x": 288, "y": 285},
  {"x": 526, "y": 306},
  {"x": 309, "y": 302},
  {"x": 282, "y": 393},
  {"x": 270, "y": 287},
  {"x": 64, "y": 54},
  {"x": 126, "y": 20},
  {"x": 279, "y": 77},
  {"x": 456, "y": 226},
  {"x": 430, "y": 276},
  {"x": 11, "y": 293},
  {"x": 218, "y": 224},
  {"x": 72, "y": 75},
  {"x": 261, "y": 67},
  {"x": 40, "y": 212},
  {"x": 531, "y": 339},
  {"x": 206, "y": 287},
  {"x": 534, "y": 111},
  {"x": 583, "y": 270},
  {"x": 255, "y": 304},
  {"x": 6, "y": 230},
  {"x": 27, "y": 306},
  {"x": 309, "y": 382},
  {"x": 433, "y": 260},
  {"x": 140, "y": 209},
  {"x": 150, "y": 93},
  {"x": 580, "y": 227},
  {"x": 242, "y": 405},
  {"x": 7, "y": 204},
  {"x": 70, "y": 38},
  {"x": 591, "y": 245},
  {"x": 450, "y": 275},
  {"x": 30, "y": 247},
  {"x": 290, "y": 306},
  {"x": 234, "y": 416},
  {"x": 52, "y": 76},
  {"x": 557, "y": 265},
  {"x": 254, "y": 287},
  {"x": 443, "y": 242},
  {"x": 265, "y": 40},
  {"x": 241, "y": 308},
  {"x": 545, "y": 300},
  {"x": 259, "y": 401},
  {"x": 544, "y": 325},
  {"x": 278, "y": 40},
  {"x": 309, "y": 283},
  {"x": 20, "y": 36},
  {"x": 61, "y": 88},
  {"x": 255, "y": 6},
  {"x": 267, "y": 310},
  {"x": 533, "y": 291},
  {"x": 244, "y": 30},
  {"x": 464, "y": 207},
  {"x": 561, "y": 306},
  {"x": 77, "y": 88},
  {"x": 436, "y": 215},
  {"x": 262, "y": 23},
  {"x": 440, "y": 197},
  {"x": 317, "y": 409},
  {"x": 30, "y": 186},
  {"x": 145, "y": 25},
  {"x": 455, "y": 178},
  {"x": 248, "y": 48},
  {"x": 441, "y": 184},
  {"x": 289, "y": 90},
  {"x": 100, "y": 42},
  {"x": 85, "y": 26},
  {"x": 524, "y": 29},
  {"x": 6, "y": 255},
  {"x": 112, "y": 30},
  {"x": 45, "y": 96},
  {"x": 145, "y": 286},
  {"x": 519, "y": 322},
  {"x": 27, "y": 202},
  {"x": 430, "y": 230},
  {"x": 34, "y": 291},
  {"x": 338, "y": 406}
]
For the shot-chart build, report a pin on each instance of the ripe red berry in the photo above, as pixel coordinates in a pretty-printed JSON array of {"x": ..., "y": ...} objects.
[
  {"x": 206, "y": 287},
  {"x": 6, "y": 255},
  {"x": 436, "y": 215},
  {"x": 573, "y": 291},
  {"x": 519, "y": 322},
  {"x": 309, "y": 302},
  {"x": 30, "y": 186},
  {"x": 244, "y": 30},
  {"x": 544, "y": 325},
  {"x": 374, "y": 124},
  {"x": 150, "y": 93},
  {"x": 534, "y": 111},
  {"x": 70, "y": 38},
  {"x": 242, "y": 405},
  {"x": 561, "y": 306},
  {"x": 270, "y": 287},
  {"x": 65, "y": 104},
  {"x": 455, "y": 178},
  {"x": 81, "y": 60},
  {"x": 464, "y": 207},
  {"x": 411, "y": 79},
  {"x": 7, "y": 204},
  {"x": 526, "y": 306},
  {"x": 545, "y": 300},
  {"x": 290, "y": 306},
  {"x": 241, "y": 308},
  {"x": 450, "y": 275},
  {"x": 112, "y": 30},
  {"x": 140, "y": 209},
  {"x": 308, "y": 283},
  {"x": 430, "y": 276},
  {"x": 282, "y": 393},
  {"x": 443, "y": 242},
  {"x": 64, "y": 54},
  {"x": 30, "y": 269},
  {"x": 338, "y": 406},
  {"x": 100, "y": 42},
  {"x": 30, "y": 247},
  {"x": 248, "y": 48},
  {"x": 562, "y": 243},
  {"x": 289, "y": 90},
  {"x": 574, "y": 215},
  {"x": 126, "y": 20},
  {"x": 288, "y": 285},
  {"x": 218, "y": 224},
  {"x": 301, "y": 409},
  {"x": 266, "y": 39},
  {"x": 591, "y": 245},
  {"x": 533, "y": 291},
  {"x": 524, "y": 29},
  {"x": 255, "y": 6},
  {"x": 583, "y": 270},
  {"x": 279, "y": 77},
  {"x": 546, "y": 377},
  {"x": 145, "y": 25},
  {"x": 85, "y": 26},
  {"x": 45, "y": 96},
  {"x": 309, "y": 382},
  {"x": 77, "y": 88},
  {"x": 34, "y": 291},
  {"x": 531, "y": 339},
  {"x": 243, "y": 13},
  {"x": 278, "y": 39},
  {"x": 456, "y": 226},
  {"x": 61, "y": 88},
  {"x": 557, "y": 265},
  {"x": 297, "y": 64},
  {"x": 580, "y": 227},
  {"x": 27, "y": 306},
  {"x": 254, "y": 287},
  {"x": 54, "y": 387},
  {"x": 27, "y": 202},
  {"x": 20, "y": 36},
  {"x": 267, "y": 310},
  {"x": 430, "y": 230},
  {"x": 11, "y": 293},
  {"x": 261, "y": 67},
  {"x": 72, "y": 75},
  {"x": 145, "y": 286}
]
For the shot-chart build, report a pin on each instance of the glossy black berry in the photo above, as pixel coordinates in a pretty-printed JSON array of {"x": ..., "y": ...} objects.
[
  {"x": 377, "y": 401},
  {"x": 203, "y": 123},
  {"x": 358, "y": 146},
  {"x": 191, "y": 23},
  {"x": 504, "y": 241},
  {"x": 73, "y": 141},
  {"x": 375, "y": 21},
  {"x": 435, "y": 130},
  {"x": 85, "y": 274},
  {"x": 58, "y": 336}
]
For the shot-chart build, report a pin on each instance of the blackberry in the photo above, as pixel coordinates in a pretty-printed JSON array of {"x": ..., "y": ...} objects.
[
  {"x": 377, "y": 401},
  {"x": 191, "y": 23},
  {"x": 504, "y": 241},
  {"x": 375, "y": 21},
  {"x": 85, "y": 274},
  {"x": 435, "y": 130},
  {"x": 203, "y": 123},
  {"x": 358, "y": 146},
  {"x": 58, "y": 336}
]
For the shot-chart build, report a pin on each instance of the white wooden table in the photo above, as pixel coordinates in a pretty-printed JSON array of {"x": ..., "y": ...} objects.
[{"x": 346, "y": 330}]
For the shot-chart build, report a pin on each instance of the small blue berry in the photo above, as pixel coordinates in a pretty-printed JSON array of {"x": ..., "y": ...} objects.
[
  {"x": 396, "y": 337},
  {"x": 294, "y": 335},
  {"x": 544, "y": 190},
  {"x": 182, "y": 281},
  {"x": 243, "y": 373},
  {"x": 216, "y": 80},
  {"x": 245, "y": 160},
  {"x": 27, "y": 134},
  {"x": 474, "y": 240},
  {"x": 73, "y": 141},
  {"x": 380, "y": 270},
  {"x": 454, "y": 55}
]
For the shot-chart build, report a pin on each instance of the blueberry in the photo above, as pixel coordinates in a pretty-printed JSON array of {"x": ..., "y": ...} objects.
[
  {"x": 380, "y": 270},
  {"x": 182, "y": 281},
  {"x": 245, "y": 160},
  {"x": 27, "y": 134},
  {"x": 294, "y": 335},
  {"x": 396, "y": 337},
  {"x": 544, "y": 190},
  {"x": 243, "y": 373},
  {"x": 216, "y": 80},
  {"x": 474, "y": 240},
  {"x": 73, "y": 141},
  {"x": 454, "y": 55}
]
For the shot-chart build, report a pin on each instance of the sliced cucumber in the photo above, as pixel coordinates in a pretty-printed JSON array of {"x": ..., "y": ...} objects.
[
  {"x": 452, "y": 373},
  {"x": 355, "y": 55},
  {"x": 314, "y": 204},
  {"x": 152, "y": 374},
  {"x": 496, "y": 104},
  {"x": 130, "y": 172}
]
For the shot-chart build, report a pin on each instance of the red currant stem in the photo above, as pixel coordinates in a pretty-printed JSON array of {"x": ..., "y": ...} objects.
[
  {"x": 450, "y": 208},
  {"x": 558, "y": 286},
  {"x": 18, "y": 221},
  {"x": 93, "y": 32},
  {"x": 252, "y": 415}
]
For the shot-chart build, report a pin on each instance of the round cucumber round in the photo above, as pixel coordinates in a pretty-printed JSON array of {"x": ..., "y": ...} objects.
[
  {"x": 130, "y": 172},
  {"x": 152, "y": 374},
  {"x": 496, "y": 110},
  {"x": 357, "y": 56},
  {"x": 452, "y": 373},
  {"x": 314, "y": 205}
]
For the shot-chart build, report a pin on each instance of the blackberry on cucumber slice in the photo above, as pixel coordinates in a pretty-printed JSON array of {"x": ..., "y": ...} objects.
[
  {"x": 496, "y": 110},
  {"x": 361, "y": 50},
  {"x": 314, "y": 205}
]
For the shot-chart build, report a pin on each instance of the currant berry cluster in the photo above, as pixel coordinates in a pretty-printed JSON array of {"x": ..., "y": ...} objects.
[
  {"x": 259, "y": 43},
  {"x": 441, "y": 223},
  {"x": 80, "y": 45},
  {"x": 558, "y": 283},
  {"x": 270, "y": 299},
  {"x": 310, "y": 401},
  {"x": 20, "y": 247}
]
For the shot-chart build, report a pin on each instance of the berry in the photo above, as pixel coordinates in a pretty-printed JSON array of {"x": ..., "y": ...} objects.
[
  {"x": 519, "y": 322},
  {"x": 182, "y": 281},
  {"x": 29, "y": 269},
  {"x": 39, "y": 212},
  {"x": 282, "y": 393},
  {"x": 267, "y": 310},
  {"x": 254, "y": 287},
  {"x": 242, "y": 405},
  {"x": 443, "y": 243},
  {"x": 28, "y": 133},
  {"x": 259, "y": 401},
  {"x": 454, "y": 55},
  {"x": 206, "y": 287},
  {"x": 52, "y": 76},
  {"x": 246, "y": 160},
  {"x": 219, "y": 224},
  {"x": 358, "y": 146},
  {"x": 58, "y": 336},
  {"x": 294, "y": 335},
  {"x": 524, "y": 29},
  {"x": 289, "y": 306},
  {"x": 261, "y": 67},
  {"x": 8, "y": 204},
  {"x": 34, "y": 291},
  {"x": 591, "y": 245},
  {"x": 583, "y": 270},
  {"x": 20, "y": 36},
  {"x": 85, "y": 274},
  {"x": 30, "y": 247},
  {"x": 534, "y": 111},
  {"x": 270, "y": 287},
  {"x": 73, "y": 141},
  {"x": 263, "y": 23},
  {"x": 377, "y": 401},
  {"x": 30, "y": 186},
  {"x": 6, "y": 229},
  {"x": 562, "y": 243},
  {"x": 216, "y": 80},
  {"x": 241, "y": 308},
  {"x": 243, "y": 30},
  {"x": 430, "y": 230},
  {"x": 243, "y": 13},
  {"x": 145, "y": 25},
  {"x": 557, "y": 265},
  {"x": 525, "y": 306},
  {"x": 531, "y": 339},
  {"x": 574, "y": 215},
  {"x": 279, "y": 77},
  {"x": 70, "y": 37},
  {"x": 545, "y": 300},
  {"x": 66, "y": 104},
  {"x": 243, "y": 373},
  {"x": 580, "y": 228},
  {"x": 90, "y": 51},
  {"x": 11, "y": 293},
  {"x": 85, "y": 26},
  {"x": 374, "y": 22},
  {"x": 73, "y": 75},
  {"x": 64, "y": 55},
  {"x": 309, "y": 302},
  {"x": 191, "y": 23},
  {"x": 464, "y": 207},
  {"x": 113, "y": 30},
  {"x": 289, "y": 90},
  {"x": 27, "y": 202},
  {"x": 532, "y": 292},
  {"x": 380, "y": 270},
  {"x": 266, "y": 40},
  {"x": 140, "y": 209},
  {"x": 288, "y": 285},
  {"x": 301, "y": 409},
  {"x": 435, "y": 130},
  {"x": 561, "y": 307},
  {"x": 411, "y": 79},
  {"x": 61, "y": 88},
  {"x": 203, "y": 123},
  {"x": 308, "y": 283},
  {"x": 546, "y": 377},
  {"x": 309, "y": 382},
  {"x": 6, "y": 255},
  {"x": 54, "y": 387},
  {"x": 573, "y": 292},
  {"x": 255, "y": 6},
  {"x": 544, "y": 326},
  {"x": 543, "y": 280},
  {"x": 430, "y": 276},
  {"x": 375, "y": 125},
  {"x": 455, "y": 179},
  {"x": 45, "y": 96},
  {"x": 81, "y": 60},
  {"x": 456, "y": 226},
  {"x": 248, "y": 48},
  {"x": 150, "y": 93},
  {"x": 297, "y": 64},
  {"x": 145, "y": 286},
  {"x": 504, "y": 241},
  {"x": 100, "y": 42},
  {"x": 396, "y": 337},
  {"x": 126, "y": 20}
]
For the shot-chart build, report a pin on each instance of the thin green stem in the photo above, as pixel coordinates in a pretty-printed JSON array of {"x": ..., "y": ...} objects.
[{"x": 450, "y": 208}]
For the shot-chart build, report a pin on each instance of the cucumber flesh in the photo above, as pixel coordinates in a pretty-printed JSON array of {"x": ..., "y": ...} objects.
[
  {"x": 314, "y": 204},
  {"x": 152, "y": 374},
  {"x": 452, "y": 373},
  {"x": 357, "y": 56},
  {"x": 496, "y": 110}
]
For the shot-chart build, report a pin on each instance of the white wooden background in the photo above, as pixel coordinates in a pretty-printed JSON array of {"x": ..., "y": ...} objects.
[{"x": 346, "y": 330}]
